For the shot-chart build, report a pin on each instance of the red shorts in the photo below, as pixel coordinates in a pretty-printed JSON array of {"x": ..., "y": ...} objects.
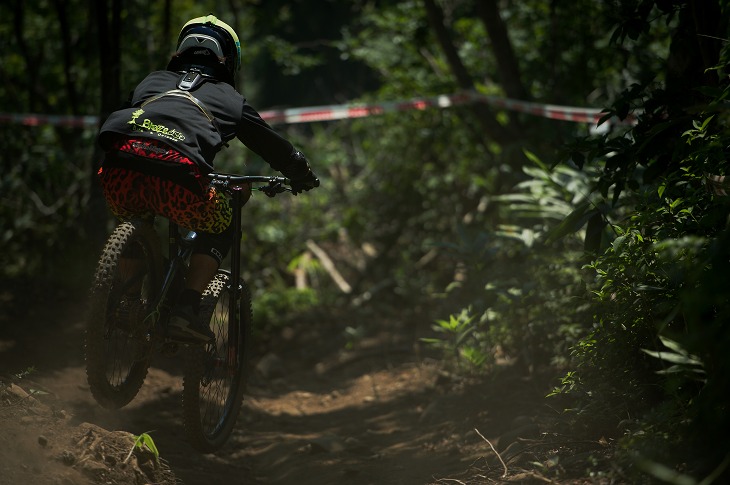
[{"x": 155, "y": 180}]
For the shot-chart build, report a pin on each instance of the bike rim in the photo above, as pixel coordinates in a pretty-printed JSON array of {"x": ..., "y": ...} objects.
[
  {"x": 126, "y": 337},
  {"x": 219, "y": 382}
]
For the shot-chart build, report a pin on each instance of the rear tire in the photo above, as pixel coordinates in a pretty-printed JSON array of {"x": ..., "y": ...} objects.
[
  {"x": 215, "y": 375},
  {"x": 118, "y": 344}
]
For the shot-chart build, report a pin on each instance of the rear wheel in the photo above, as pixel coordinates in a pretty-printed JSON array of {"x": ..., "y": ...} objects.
[
  {"x": 118, "y": 346},
  {"x": 215, "y": 376}
]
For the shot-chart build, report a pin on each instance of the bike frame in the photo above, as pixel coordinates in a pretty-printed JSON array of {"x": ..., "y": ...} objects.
[{"x": 180, "y": 248}]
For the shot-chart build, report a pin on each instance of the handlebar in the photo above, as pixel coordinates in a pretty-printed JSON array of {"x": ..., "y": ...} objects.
[{"x": 274, "y": 185}]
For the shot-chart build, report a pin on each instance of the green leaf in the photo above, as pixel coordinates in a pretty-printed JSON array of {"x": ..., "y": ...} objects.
[
  {"x": 681, "y": 369},
  {"x": 572, "y": 223},
  {"x": 618, "y": 243},
  {"x": 673, "y": 357},
  {"x": 534, "y": 159},
  {"x": 145, "y": 440},
  {"x": 673, "y": 345},
  {"x": 706, "y": 122}
]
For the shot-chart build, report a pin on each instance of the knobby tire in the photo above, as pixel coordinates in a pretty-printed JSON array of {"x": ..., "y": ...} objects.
[
  {"x": 215, "y": 375},
  {"x": 118, "y": 345}
]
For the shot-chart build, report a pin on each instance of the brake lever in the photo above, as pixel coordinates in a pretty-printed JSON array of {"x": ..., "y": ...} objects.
[
  {"x": 274, "y": 188},
  {"x": 269, "y": 190}
]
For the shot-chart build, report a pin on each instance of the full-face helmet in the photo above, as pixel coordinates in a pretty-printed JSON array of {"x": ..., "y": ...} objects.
[{"x": 209, "y": 43}]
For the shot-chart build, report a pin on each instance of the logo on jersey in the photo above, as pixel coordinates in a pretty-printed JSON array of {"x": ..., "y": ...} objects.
[{"x": 151, "y": 127}]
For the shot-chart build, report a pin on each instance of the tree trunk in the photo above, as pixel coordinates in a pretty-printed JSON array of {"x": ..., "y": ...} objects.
[
  {"x": 68, "y": 61},
  {"x": 36, "y": 99},
  {"x": 507, "y": 65},
  {"x": 108, "y": 22},
  {"x": 492, "y": 128},
  {"x": 167, "y": 25},
  {"x": 109, "y": 36},
  {"x": 694, "y": 50}
]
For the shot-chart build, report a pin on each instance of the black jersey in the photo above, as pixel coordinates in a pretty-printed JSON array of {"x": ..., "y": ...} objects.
[{"x": 197, "y": 123}]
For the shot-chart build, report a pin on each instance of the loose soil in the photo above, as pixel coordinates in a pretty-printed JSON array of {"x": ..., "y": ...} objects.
[{"x": 325, "y": 405}]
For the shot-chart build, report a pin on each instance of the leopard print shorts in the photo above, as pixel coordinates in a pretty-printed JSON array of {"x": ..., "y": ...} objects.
[
  {"x": 141, "y": 188},
  {"x": 130, "y": 194}
]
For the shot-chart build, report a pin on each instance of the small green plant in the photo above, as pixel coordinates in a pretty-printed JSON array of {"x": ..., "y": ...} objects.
[
  {"x": 567, "y": 385},
  {"x": 28, "y": 371},
  {"x": 457, "y": 331},
  {"x": 142, "y": 442}
]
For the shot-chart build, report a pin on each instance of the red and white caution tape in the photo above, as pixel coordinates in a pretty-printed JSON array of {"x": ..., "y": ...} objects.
[
  {"x": 347, "y": 111},
  {"x": 55, "y": 120},
  {"x": 350, "y": 111},
  {"x": 555, "y": 112}
]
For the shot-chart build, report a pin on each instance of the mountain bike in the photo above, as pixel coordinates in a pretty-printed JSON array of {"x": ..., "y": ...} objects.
[{"x": 133, "y": 291}]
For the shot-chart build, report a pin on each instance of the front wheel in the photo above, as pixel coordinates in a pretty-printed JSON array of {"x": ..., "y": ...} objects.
[
  {"x": 215, "y": 375},
  {"x": 118, "y": 343}
]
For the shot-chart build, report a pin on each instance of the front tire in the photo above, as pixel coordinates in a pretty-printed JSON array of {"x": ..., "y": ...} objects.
[
  {"x": 215, "y": 375},
  {"x": 118, "y": 345}
]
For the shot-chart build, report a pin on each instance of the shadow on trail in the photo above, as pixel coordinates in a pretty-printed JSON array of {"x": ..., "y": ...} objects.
[
  {"x": 383, "y": 415},
  {"x": 377, "y": 422}
]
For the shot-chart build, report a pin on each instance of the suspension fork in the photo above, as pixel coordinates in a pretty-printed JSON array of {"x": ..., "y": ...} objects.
[
  {"x": 236, "y": 287},
  {"x": 236, "y": 245}
]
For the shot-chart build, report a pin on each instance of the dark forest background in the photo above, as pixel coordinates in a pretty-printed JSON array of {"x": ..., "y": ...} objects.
[{"x": 602, "y": 252}]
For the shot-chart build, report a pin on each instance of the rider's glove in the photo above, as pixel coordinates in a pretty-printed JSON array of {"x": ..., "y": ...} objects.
[
  {"x": 298, "y": 171},
  {"x": 308, "y": 182}
]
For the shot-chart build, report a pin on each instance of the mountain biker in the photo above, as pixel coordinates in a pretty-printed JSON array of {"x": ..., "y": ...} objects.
[{"x": 159, "y": 148}]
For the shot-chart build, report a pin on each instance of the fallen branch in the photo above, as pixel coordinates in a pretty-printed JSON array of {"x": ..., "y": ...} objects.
[
  {"x": 495, "y": 452},
  {"x": 329, "y": 266}
]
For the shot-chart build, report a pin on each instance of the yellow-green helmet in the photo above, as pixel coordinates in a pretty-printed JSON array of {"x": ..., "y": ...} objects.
[{"x": 203, "y": 36}]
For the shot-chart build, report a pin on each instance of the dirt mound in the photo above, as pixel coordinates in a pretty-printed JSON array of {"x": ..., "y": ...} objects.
[{"x": 43, "y": 447}]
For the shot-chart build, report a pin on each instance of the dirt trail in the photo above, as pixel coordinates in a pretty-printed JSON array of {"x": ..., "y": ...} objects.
[{"x": 378, "y": 413}]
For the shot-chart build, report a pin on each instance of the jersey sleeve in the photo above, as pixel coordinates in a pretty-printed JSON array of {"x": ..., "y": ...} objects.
[{"x": 263, "y": 140}]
